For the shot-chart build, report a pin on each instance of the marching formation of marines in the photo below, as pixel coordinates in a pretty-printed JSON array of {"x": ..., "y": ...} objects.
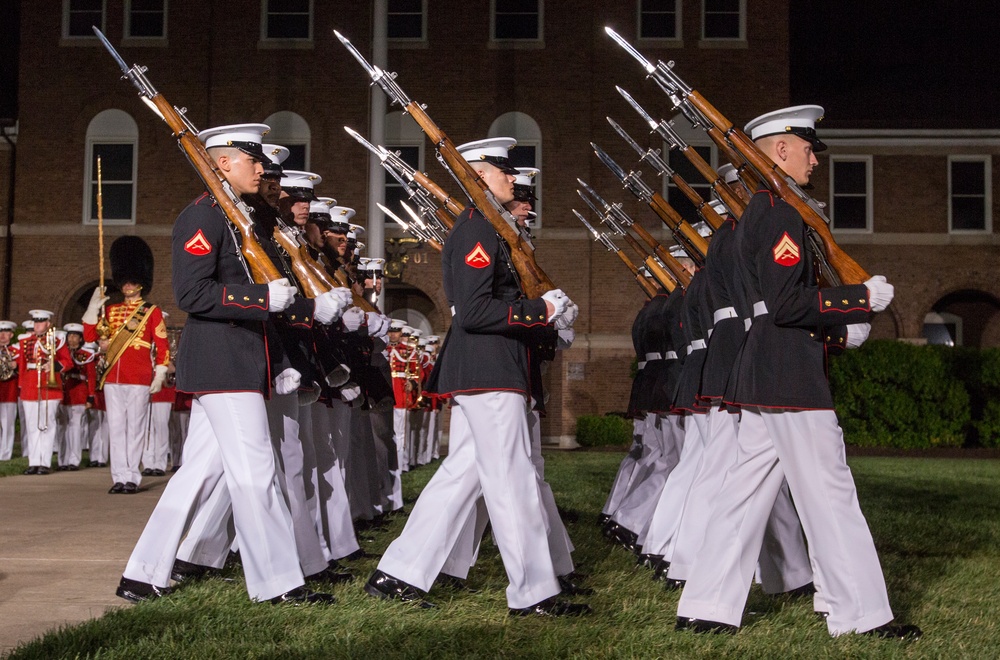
[{"x": 307, "y": 403}]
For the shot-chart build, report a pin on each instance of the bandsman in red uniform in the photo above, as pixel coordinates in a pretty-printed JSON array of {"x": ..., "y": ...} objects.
[
  {"x": 41, "y": 359},
  {"x": 401, "y": 368},
  {"x": 79, "y": 384},
  {"x": 136, "y": 327},
  {"x": 154, "y": 454},
  {"x": 8, "y": 388}
]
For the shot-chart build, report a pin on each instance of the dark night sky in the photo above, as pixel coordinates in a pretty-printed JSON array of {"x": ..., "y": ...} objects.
[
  {"x": 870, "y": 63},
  {"x": 897, "y": 64}
]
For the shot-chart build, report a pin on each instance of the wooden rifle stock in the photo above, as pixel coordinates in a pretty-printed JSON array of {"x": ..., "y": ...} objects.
[
  {"x": 648, "y": 287},
  {"x": 677, "y": 271},
  {"x": 453, "y": 206},
  {"x": 848, "y": 270},
  {"x": 672, "y": 219},
  {"x": 711, "y": 216},
  {"x": 359, "y": 301},
  {"x": 262, "y": 269},
  {"x": 665, "y": 279}
]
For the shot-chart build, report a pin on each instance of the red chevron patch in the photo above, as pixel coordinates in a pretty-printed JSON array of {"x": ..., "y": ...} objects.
[
  {"x": 786, "y": 252},
  {"x": 198, "y": 245},
  {"x": 478, "y": 258}
]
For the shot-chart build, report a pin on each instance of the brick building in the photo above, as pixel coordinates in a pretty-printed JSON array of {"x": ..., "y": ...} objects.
[{"x": 915, "y": 205}]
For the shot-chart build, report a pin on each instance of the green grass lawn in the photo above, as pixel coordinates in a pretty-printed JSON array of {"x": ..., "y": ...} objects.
[{"x": 936, "y": 523}]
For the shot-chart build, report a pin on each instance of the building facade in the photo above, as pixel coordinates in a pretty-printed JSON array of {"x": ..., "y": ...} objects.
[{"x": 915, "y": 206}]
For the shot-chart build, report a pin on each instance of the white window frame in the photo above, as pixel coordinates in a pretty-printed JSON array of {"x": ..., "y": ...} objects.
[
  {"x": 743, "y": 25},
  {"x": 423, "y": 28},
  {"x": 128, "y": 23},
  {"x": 401, "y": 130},
  {"x": 678, "y": 27},
  {"x": 65, "y": 22},
  {"x": 528, "y": 133},
  {"x": 987, "y": 192},
  {"x": 287, "y": 132},
  {"x": 869, "y": 192},
  {"x": 271, "y": 40},
  {"x": 944, "y": 318},
  {"x": 695, "y": 138},
  {"x": 507, "y": 41},
  {"x": 98, "y": 137}
]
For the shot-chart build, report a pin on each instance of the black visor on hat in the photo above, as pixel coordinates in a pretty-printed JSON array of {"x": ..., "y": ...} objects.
[
  {"x": 809, "y": 134},
  {"x": 502, "y": 162},
  {"x": 300, "y": 193},
  {"x": 272, "y": 168},
  {"x": 524, "y": 193},
  {"x": 337, "y": 227},
  {"x": 251, "y": 149}
]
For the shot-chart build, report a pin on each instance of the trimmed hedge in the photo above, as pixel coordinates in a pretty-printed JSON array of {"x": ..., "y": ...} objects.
[{"x": 610, "y": 430}]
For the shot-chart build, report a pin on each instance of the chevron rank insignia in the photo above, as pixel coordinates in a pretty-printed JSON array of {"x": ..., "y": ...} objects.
[
  {"x": 198, "y": 245},
  {"x": 478, "y": 258},
  {"x": 786, "y": 252}
]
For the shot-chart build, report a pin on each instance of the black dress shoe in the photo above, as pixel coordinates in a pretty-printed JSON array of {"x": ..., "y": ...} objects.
[
  {"x": 454, "y": 583},
  {"x": 602, "y": 519},
  {"x": 102, "y": 464},
  {"x": 41, "y": 469},
  {"x": 137, "y": 592},
  {"x": 302, "y": 596},
  {"x": 702, "y": 626},
  {"x": 31, "y": 470},
  {"x": 331, "y": 575},
  {"x": 185, "y": 571},
  {"x": 359, "y": 554},
  {"x": 175, "y": 468},
  {"x": 72, "y": 468},
  {"x": 93, "y": 464},
  {"x": 647, "y": 560},
  {"x": 147, "y": 472},
  {"x": 895, "y": 631},
  {"x": 660, "y": 570},
  {"x": 119, "y": 487},
  {"x": 801, "y": 592},
  {"x": 671, "y": 584},
  {"x": 131, "y": 488},
  {"x": 383, "y": 585},
  {"x": 158, "y": 473},
  {"x": 552, "y": 607},
  {"x": 62, "y": 468},
  {"x": 570, "y": 588}
]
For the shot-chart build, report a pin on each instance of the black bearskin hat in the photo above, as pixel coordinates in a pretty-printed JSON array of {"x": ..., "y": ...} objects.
[{"x": 131, "y": 261}]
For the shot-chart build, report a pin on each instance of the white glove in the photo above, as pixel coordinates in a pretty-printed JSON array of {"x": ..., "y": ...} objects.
[
  {"x": 558, "y": 300},
  {"x": 880, "y": 293},
  {"x": 350, "y": 392},
  {"x": 330, "y": 306},
  {"x": 338, "y": 375},
  {"x": 378, "y": 325},
  {"x": 97, "y": 299},
  {"x": 159, "y": 377},
  {"x": 287, "y": 381},
  {"x": 566, "y": 337},
  {"x": 568, "y": 317},
  {"x": 857, "y": 333},
  {"x": 280, "y": 294},
  {"x": 309, "y": 396},
  {"x": 353, "y": 318}
]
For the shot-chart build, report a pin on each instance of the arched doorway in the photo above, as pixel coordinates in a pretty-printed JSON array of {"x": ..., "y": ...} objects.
[
  {"x": 964, "y": 317},
  {"x": 415, "y": 307},
  {"x": 80, "y": 299}
]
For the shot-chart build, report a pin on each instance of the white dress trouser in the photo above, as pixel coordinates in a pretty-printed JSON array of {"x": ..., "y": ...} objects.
[
  {"x": 807, "y": 449},
  {"x": 401, "y": 436},
  {"x": 228, "y": 439},
  {"x": 666, "y": 516},
  {"x": 100, "y": 437},
  {"x": 381, "y": 423},
  {"x": 335, "y": 524},
  {"x": 71, "y": 449},
  {"x": 489, "y": 454},
  {"x": 154, "y": 454},
  {"x": 626, "y": 468},
  {"x": 8, "y": 413},
  {"x": 667, "y": 438},
  {"x": 128, "y": 426},
  {"x": 40, "y": 443},
  {"x": 364, "y": 479}
]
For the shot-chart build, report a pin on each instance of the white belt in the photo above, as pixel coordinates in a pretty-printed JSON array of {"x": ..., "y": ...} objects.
[
  {"x": 653, "y": 356},
  {"x": 34, "y": 365},
  {"x": 697, "y": 345},
  {"x": 642, "y": 365},
  {"x": 759, "y": 308},
  {"x": 724, "y": 313},
  {"x": 670, "y": 355},
  {"x": 452, "y": 310},
  {"x": 746, "y": 325}
]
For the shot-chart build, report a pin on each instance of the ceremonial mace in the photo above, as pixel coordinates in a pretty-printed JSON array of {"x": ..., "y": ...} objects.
[{"x": 103, "y": 328}]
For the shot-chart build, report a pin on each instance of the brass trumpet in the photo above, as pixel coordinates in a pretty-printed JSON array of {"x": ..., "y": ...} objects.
[{"x": 47, "y": 344}]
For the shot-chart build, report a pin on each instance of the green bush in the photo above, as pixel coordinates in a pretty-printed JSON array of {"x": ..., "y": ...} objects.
[
  {"x": 893, "y": 394},
  {"x": 988, "y": 422},
  {"x": 607, "y": 431}
]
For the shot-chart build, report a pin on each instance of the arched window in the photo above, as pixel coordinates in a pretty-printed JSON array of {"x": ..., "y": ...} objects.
[
  {"x": 290, "y": 130},
  {"x": 402, "y": 134},
  {"x": 528, "y": 152},
  {"x": 114, "y": 137}
]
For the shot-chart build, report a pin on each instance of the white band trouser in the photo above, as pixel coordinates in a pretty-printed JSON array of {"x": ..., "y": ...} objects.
[
  {"x": 489, "y": 453},
  {"x": 807, "y": 449},
  {"x": 40, "y": 444},
  {"x": 74, "y": 431},
  {"x": 100, "y": 436},
  {"x": 154, "y": 455},
  {"x": 128, "y": 426},
  {"x": 227, "y": 440},
  {"x": 8, "y": 412}
]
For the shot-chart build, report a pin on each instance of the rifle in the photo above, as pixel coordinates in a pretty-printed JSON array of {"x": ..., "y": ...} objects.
[
  {"x": 620, "y": 218},
  {"x": 260, "y": 266},
  {"x": 619, "y": 222},
  {"x": 533, "y": 279},
  {"x": 418, "y": 186},
  {"x": 837, "y": 266},
  {"x": 683, "y": 232},
  {"x": 648, "y": 287},
  {"x": 652, "y": 156},
  {"x": 414, "y": 229}
]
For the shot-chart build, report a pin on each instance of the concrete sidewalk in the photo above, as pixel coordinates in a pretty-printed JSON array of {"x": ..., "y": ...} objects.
[{"x": 63, "y": 545}]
